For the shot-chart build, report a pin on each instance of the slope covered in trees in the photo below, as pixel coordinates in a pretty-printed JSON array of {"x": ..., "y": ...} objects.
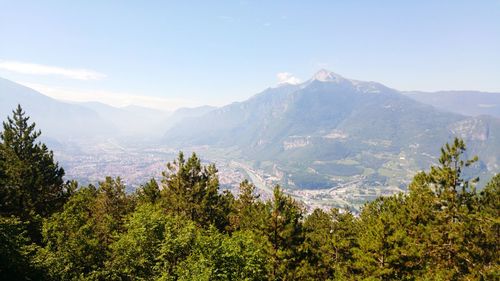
[
  {"x": 332, "y": 131},
  {"x": 184, "y": 228}
]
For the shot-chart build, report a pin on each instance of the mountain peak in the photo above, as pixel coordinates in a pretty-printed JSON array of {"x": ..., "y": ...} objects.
[{"x": 324, "y": 75}]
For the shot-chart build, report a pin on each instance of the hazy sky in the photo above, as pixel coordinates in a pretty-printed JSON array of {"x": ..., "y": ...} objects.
[{"x": 184, "y": 53}]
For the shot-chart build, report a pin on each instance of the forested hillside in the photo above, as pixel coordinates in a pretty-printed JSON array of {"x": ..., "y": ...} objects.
[
  {"x": 183, "y": 227},
  {"x": 331, "y": 131}
]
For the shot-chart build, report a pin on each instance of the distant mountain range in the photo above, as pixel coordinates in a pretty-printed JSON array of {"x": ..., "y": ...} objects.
[
  {"x": 325, "y": 131},
  {"x": 62, "y": 120},
  {"x": 58, "y": 119},
  {"x": 471, "y": 103},
  {"x": 330, "y": 137}
]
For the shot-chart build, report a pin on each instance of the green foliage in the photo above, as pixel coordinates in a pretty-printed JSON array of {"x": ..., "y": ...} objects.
[
  {"x": 329, "y": 240},
  {"x": 284, "y": 231},
  {"x": 78, "y": 238},
  {"x": 16, "y": 252},
  {"x": 73, "y": 249},
  {"x": 440, "y": 230},
  {"x": 216, "y": 256},
  {"x": 385, "y": 249},
  {"x": 447, "y": 176},
  {"x": 248, "y": 212},
  {"x": 110, "y": 206},
  {"x": 149, "y": 192},
  {"x": 192, "y": 190},
  {"x": 186, "y": 229},
  {"x": 152, "y": 246},
  {"x": 31, "y": 183},
  {"x": 456, "y": 230}
]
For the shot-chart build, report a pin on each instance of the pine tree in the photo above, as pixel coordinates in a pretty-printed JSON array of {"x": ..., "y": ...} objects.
[
  {"x": 248, "y": 212},
  {"x": 449, "y": 227},
  {"x": 192, "y": 190},
  {"x": 110, "y": 206},
  {"x": 149, "y": 192},
  {"x": 31, "y": 182},
  {"x": 329, "y": 239},
  {"x": 284, "y": 231}
]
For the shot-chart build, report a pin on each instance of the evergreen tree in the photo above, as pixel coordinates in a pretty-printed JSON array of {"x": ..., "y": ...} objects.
[
  {"x": 442, "y": 229},
  {"x": 78, "y": 239},
  {"x": 328, "y": 241},
  {"x": 192, "y": 190},
  {"x": 450, "y": 229},
  {"x": 16, "y": 252},
  {"x": 110, "y": 206},
  {"x": 248, "y": 212},
  {"x": 487, "y": 235},
  {"x": 31, "y": 183},
  {"x": 149, "y": 192},
  {"x": 284, "y": 231},
  {"x": 490, "y": 197},
  {"x": 386, "y": 250}
]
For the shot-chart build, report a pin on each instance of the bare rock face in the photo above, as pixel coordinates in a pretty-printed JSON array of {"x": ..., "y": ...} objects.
[
  {"x": 296, "y": 142},
  {"x": 471, "y": 129}
]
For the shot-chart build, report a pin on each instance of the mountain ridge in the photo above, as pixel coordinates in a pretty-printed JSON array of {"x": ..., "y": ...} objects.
[
  {"x": 306, "y": 129},
  {"x": 343, "y": 140},
  {"x": 472, "y": 103}
]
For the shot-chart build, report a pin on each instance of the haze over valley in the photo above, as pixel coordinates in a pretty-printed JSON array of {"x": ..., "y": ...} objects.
[
  {"x": 249, "y": 140},
  {"x": 330, "y": 141}
]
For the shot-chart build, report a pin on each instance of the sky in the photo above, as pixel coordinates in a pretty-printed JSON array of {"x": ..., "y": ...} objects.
[{"x": 170, "y": 54}]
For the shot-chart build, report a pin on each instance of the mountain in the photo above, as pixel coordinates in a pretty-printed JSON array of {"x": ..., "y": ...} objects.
[
  {"x": 59, "y": 120},
  {"x": 327, "y": 107},
  {"x": 472, "y": 103},
  {"x": 186, "y": 113},
  {"x": 222, "y": 125},
  {"x": 132, "y": 121},
  {"x": 332, "y": 131},
  {"x": 331, "y": 141}
]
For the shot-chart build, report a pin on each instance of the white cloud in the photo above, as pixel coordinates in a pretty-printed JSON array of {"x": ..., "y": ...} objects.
[
  {"x": 117, "y": 99},
  {"x": 39, "y": 69},
  {"x": 286, "y": 77}
]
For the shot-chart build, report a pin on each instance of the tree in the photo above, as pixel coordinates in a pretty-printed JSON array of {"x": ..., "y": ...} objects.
[
  {"x": 192, "y": 190},
  {"x": 16, "y": 252},
  {"x": 284, "y": 231},
  {"x": 386, "y": 250},
  {"x": 248, "y": 212},
  {"x": 73, "y": 250},
  {"x": 152, "y": 246},
  {"x": 447, "y": 177},
  {"x": 485, "y": 233},
  {"x": 110, "y": 206},
  {"x": 149, "y": 192},
  {"x": 453, "y": 206},
  {"x": 217, "y": 256},
  {"x": 77, "y": 239},
  {"x": 329, "y": 238},
  {"x": 490, "y": 197},
  {"x": 31, "y": 183},
  {"x": 450, "y": 226}
]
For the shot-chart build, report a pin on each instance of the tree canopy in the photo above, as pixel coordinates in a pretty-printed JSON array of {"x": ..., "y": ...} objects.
[{"x": 184, "y": 227}]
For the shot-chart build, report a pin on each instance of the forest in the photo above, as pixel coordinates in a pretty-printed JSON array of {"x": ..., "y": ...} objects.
[{"x": 185, "y": 227}]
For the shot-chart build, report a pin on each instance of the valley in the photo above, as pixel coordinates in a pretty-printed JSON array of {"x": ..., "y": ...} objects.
[
  {"x": 91, "y": 162},
  {"x": 329, "y": 141}
]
